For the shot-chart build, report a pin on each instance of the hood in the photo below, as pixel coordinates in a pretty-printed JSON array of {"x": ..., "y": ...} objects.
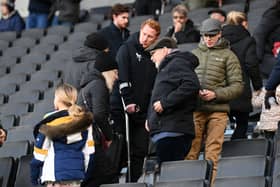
[
  {"x": 85, "y": 54},
  {"x": 234, "y": 33},
  {"x": 77, "y": 124},
  {"x": 221, "y": 44},
  {"x": 93, "y": 74}
]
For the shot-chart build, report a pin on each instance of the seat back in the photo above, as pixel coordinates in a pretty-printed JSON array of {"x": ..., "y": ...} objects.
[
  {"x": 241, "y": 182},
  {"x": 190, "y": 183},
  {"x": 125, "y": 185},
  {"x": 15, "y": 149},
  {"x": 6, "y": 171}
]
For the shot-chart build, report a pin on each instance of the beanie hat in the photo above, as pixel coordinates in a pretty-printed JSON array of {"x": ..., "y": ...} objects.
[
  {"x": 96, "y": 41},
  {"x": 105, "y": 62}
]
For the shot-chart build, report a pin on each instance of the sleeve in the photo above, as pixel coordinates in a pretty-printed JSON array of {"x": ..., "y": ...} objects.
[
  {"x": 274, "y": 78},
  {"x": 100, "y": 109},
  {"x": 252, "y": 66},
  {"x": 19, "y": 24},
  {"x": 234, "y": 80},
  {"x": 125, "y": 87},
  {"x": 188, "y": 85},
  {"x": 40, "y": 153}
]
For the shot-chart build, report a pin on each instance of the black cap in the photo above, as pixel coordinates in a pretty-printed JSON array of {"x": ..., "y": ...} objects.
[
  {"x": 217, "y": 10},
  {"x": 163, "y": 42},
  {"x": 105, "y": 62},
  {"x": 96, "y": 41}
]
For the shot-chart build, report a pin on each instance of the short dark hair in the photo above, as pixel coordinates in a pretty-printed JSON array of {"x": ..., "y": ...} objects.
[{"x": 119, "y": 9}]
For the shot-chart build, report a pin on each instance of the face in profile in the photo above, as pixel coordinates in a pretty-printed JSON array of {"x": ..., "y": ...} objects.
[
  {"x": 211, "y": 39},
  {"x": 4, "y": 9},
  {"x": 148, "y": 36},
  {"x": 121, "y": 20}
]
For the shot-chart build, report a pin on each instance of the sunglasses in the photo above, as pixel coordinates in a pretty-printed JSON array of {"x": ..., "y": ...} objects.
[{"x": 210, "y": 35}]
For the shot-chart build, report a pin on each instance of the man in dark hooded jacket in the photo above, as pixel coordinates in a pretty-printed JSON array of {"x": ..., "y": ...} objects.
[
  {"x": 84, "y": 58},
  {"x": 173, "y": 101}
]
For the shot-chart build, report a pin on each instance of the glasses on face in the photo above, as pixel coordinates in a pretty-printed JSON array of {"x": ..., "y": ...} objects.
[
  {"x": 178, "y": 17},
  {"x": 210, "y": 35}
]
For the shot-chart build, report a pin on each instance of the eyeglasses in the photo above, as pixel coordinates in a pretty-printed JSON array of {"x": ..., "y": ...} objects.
[
  {"x": 178, "y": 17},
  {"x": 210, "y": 35}
]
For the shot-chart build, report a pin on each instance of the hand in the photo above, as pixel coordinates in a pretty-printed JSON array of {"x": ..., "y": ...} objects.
[
  {"x": 178, "y": 27},
  {"x": 276, "y": 48},
  {"x": 270, "y": 94},
  {"x": 147, "y": 126},
  {"x": 207, "y": 95},
  {"x": 108, "y": 143},
  {"x": 158, "y": 107},
  {"x": 132, "y": 108},
  {"x": 2, "y": 136},
  {"x": 257, "y": 92}
]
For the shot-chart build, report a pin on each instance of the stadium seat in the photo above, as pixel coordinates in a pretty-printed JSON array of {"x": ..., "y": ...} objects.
[
  {"x": 41, "y": 85},
  {"x": 3, "y": 70},
  {"x": 59, "y": 30},
  {"x": 185, "y": 170},
  {"x": 15, "y": 109},
  {"x": 4, "y": 45},
  {"x": 46, "y": 49},
  {"x": 6, "y": 171},
  {"x": 23, "y": 172},
  {"x": 55, "y": 65},
  {"x": 16, "y": 51},
  {"x": 247, "y": 147},
  {"x": 17, "y": 78},
  {"x": 240, "y": 182},
  {"x": 125, "y": 185},
  {"x": 9, "y": 61},
  {"x": 87, "y": 27},
  {"x": 20, "y": 133},
  {"x": 243, "y": 166},
  {"x": 62, "y": 55},
  {"x": 8, "y": 88},
  {"x": 8, "y": 36},
  {"x": 34, "y": 58},
  {"x": 192, "y": 183},
  {"x": 28, "y": 96},
  {"x": 46, "y": 75},
  {"x": 2, "y": 99},
  {"x": 77, "y": 37},
  {"x": 52, "y": 39},
  {"x": 276, "y": 181},
  {"x": 25, "y": 68},
  {"x": 25, "y": 42},
  {"x": 8, "y": 121},
  {"x": 33, "y": 33},
  {"x": 71, "y": 45},
  {"x": 187, "y": 46},
  {"x": 15, "y": 149}
]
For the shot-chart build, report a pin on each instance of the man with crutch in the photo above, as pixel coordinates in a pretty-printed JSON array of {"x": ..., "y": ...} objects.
[{"x": 136, "y": 77}]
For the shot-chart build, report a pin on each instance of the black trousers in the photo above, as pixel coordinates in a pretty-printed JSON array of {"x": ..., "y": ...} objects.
[
  {"x": 173, "y": 148},
  {"x": 241, "y": 120}
]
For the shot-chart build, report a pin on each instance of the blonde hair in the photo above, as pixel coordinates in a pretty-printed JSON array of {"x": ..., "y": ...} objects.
[
  {"x": 236, "y": 18},
  {"x": 67, "y": 95},
  {"x": 181, "y": 9},
  {"x": 153, "y": 24}
]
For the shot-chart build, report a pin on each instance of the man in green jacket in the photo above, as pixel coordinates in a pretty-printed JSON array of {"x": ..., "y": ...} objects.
[{"x": 220, "y": 79}]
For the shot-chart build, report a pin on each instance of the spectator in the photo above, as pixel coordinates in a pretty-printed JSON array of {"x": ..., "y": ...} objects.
[
  {"x": 145, "y": 7},
  {"x": 84, "y": 58},
  {"x": 136, "y": 77},
  {"x": 183, "y": 30},
  {"x": 3, "y": 135},
  {"x": 220, "y": 78},
  {"x": 116, "y": 33},
  {"x": 96, "y": 87},
  {"x": 266, "y": 33},
  {"x": 244, "y": 46},
  {"x": 38, "y": 14},
  {"x": 173, "y": 100},
  {"x": 65, "y": 12},
  {"x": 64, "y": 144},
  {"x": 218, "y": 14},
  {"x": 11, "y": 20}
]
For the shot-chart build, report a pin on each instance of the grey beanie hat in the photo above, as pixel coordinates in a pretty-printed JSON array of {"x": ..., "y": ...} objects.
[{"x": 210, "y": 26}]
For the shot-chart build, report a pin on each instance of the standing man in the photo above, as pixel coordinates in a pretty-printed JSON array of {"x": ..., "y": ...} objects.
[
  {"x": 136, "y": 77},
  {"x": 116, "y": 33},
  {"x": 183, "y": 30},
  {"x": 220, "y": 78},
  {"x": 170, "y": 116}
]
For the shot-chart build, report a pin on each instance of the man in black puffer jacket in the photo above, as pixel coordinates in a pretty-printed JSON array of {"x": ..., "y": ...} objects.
[{"x": 173, "y": 101}]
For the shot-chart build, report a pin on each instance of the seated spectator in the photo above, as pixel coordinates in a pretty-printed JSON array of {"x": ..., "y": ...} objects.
[
  {"x": 38, "y": 14},
  {"x": 84, "y": 58},
  {"x": 183, "y": 30},
  {"x": 64, "y": 143},
  {"x": 11, "y": 20},
  {"x": 170, "y": 115},
  {"x": 244, "y": 46},
  {"x": 65, "y": 12},
  {"x": 266, "y": 33},
  {"x": 96, "y": 86},
  {"x": 218, "y": 14},
  {"x": 3, "y": 135}
]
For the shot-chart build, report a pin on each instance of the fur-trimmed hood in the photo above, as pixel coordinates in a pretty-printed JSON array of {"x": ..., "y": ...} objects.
[{"x": 56, "y": 129}]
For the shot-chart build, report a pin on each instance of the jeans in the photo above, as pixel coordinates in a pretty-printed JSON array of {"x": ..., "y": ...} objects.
[
  {"x": 37, "y": 20},
  {"x": 209, "y": 129},
  {"x": 56, "y": 22},
  {"x": 173, "y": 148}
]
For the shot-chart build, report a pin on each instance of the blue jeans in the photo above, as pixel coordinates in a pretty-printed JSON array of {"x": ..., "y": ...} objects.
[
  {"x": 56, "y": 22},
  {"x": 37, "y": 20}
]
